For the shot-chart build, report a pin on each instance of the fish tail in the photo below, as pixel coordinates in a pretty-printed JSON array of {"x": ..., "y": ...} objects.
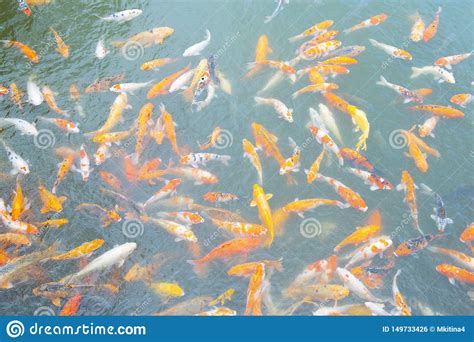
[
  {"x": 199, "y": 266},
  {"x": 7, "y": 43},
  {"x": 295, "y": 38},
  {"x": 426, "y": 190},
  {"x": 374, "y": 42},
  {"x": 225, "y": 160},
  {"x": 415, "y": 72},
  {"x": 382, "y": 82}
]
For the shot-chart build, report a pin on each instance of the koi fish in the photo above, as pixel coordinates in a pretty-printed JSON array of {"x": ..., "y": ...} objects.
[
  {"x": 162, "y": 87},
  {"x": 195, "y": 159},
  {"x": 197, "y": 48},
  {"x": 283, "y": 111},
  {"x": 322, "y": 137},
  {"x": 18, "y": 163},
  {"x": 67, "y": 126},
  {"x": 261, "y": 52},
  {"x": 360, "y": 235},
  {"x": 428, "y": 127},
  {"x": 408, "y": 185},
  {"x": 64, "y": 167},
  {"x": 463, "y": 259},
  {"x": 85, "y": 249},
  {"x": 241, "y": 228},
  {"x": 102, "y": 154},
  {"x": 417, "y": 30},
  {"x": 50, "y": 201},
  {"x": 372, "y": 21},
  {"x": 143, "y": 122},
  {"x": 251, "y": 153},
  {"x": 84, "y": 164},
  {"x": 278, "y": 9},
  {"x": 103, "y": 84},
  {"x": 454, "y": 273},
  {"x": 123, "y": 16},
  {"x": 357, "y": 159},
  {"x": 115, "y": 115},
  {"x": 114, "y": 256},
  {"x": 373, "y": 248},
  {"x": 186, "y": 217},
  {"x": 220, "y": 311},
  {"x": 318, "y": 272},
  {"x": 355, "y": 286},
  {"x": 167, "y": 290},
  {"x": 260, "y": 200},
  {"x": 16, "y": 239},
  {"x": 199, "y": 176},
  {"x": 130, "y": 88},
  {"x": 25, "y": 49},
  {"x": 399, "y": 300},
  {"x": 71, "y": 306},
  {"x": 279, "y": 65},
  {"x": 168, "y": 189},
  {"x": 462, "y": 99},
  {"x": 62, "y": 48},
  {"x": 255, "y": 292},
  {"x": 214, "y": 197},
  {"x": 349, "y": 195},
  {"x": 413, "y": 246},
  {"x": 314, "y": 168},
  {"x": 320, "y": 50},
  {"x": 440, "y": 216},
  {"x": 392, "y": 50},
  {"x": 313, "y": 88},
  {"x": 248, "y": 269},
  {"x": 100, "y": 50},
  {"x": 375, "y": 181},
  {"x": 432, "y": 28},
  {"x": 49, "y": 98},
  {"x": 35, "y": 97},
  {"x": 180, "y": 231},
  {"x": 229, "y": 249},
  {"x": 467, "y": 235},
  {"x": 19, "y": 204},
  {"x": 267, "y": 141},
  {"x": 439, "y": 74},
  {"x": 16, "y": 226},
  {"x": 407, "y": 94},
  {"x": 156, "y": 35},
  {"x": 53, "y": 223},
  {"x": 16, "y": 95},
  {"x": 447, "y": 112},
  {"x": 319, "y": 27},
  {"x": 111, "y": 137},
  {"x": 106, "y": 216},
  {"x": 448, "y": 61},
  {"x": 342, "y": 60},
  {"x": 21, "y": 125}
]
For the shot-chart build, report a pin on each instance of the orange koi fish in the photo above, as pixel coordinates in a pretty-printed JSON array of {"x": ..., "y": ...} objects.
[
  {"x": 62, "y": 48},
  {"x": 261, "y": 52},
  {"x": 320, "y": 50},
  {"x": 255, "y": 292},
  {"x": 212, "y": 139},
  {"x": 186, "y": 217},
  {"x": 427, "y": 128},
  {"x": 168, "y": 189},
  {"x": 71, "y": 306},
  {"x": 50, "y": 201},
  {"x": 372, "y": 21},
  {"x": 448, "y": 61},
  {"x": 170, "y": 131},
  {"x": 319, "y": 27},
  {"x": 447, "y": 112},
  {"x": 400, "y": 301},
  {"x": 314, "y": 168},
  {"x": 64, "y": 167},
  {"x": 248, "y": 269},
  {"x": 16, "y": 95},
  {"x": 313, "y": 88},
  {"x": 143, "y": 122},
  {"x": 106, "y": 216},
  {"x": 228, "y": 249},
  {"x": 463, "y": 259},
  {"x": 467, "y": 235},
  {"x": 156, "y": 63},
  {"x": 162, "y": 87},
  {"x": 251, "y": 153},
  {"x": 111, "y": 180},
  {"x": 360, "y": 235},
  {"x": 318, "y": 272},
  {"x": 408, "y": 185},
  {"x": 462, "y": 99},
  {"x": 19, "y": 204},
  {"x": 322, "y": 137},
  {"x": 356, "y": 159},
  {"x": 180, "y": 231},
  {"x": 282, "y": 66},
  {"x": 241, "y": 228},
  {"x": 346, "y": 193},
  {"x": 49, "y": 98},
  {"x": 115, "y": 115},
  {"x": 25, "y": 49},
  {"x": 432, "y": 28},
  {"x": 417, "y": 30},
  {"x": 260, "y": 200},
  {"x": 214, "y": 197},
  {"x": 83, "y": 250},
  {"x": 454, "y": 273}
]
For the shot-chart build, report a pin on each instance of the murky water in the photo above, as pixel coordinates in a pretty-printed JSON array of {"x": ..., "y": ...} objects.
[{"x": 235, "y": 27}]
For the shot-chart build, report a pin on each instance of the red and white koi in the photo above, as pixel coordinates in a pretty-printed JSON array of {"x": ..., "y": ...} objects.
[
  {"x": 375, "y": 181},
  {"x": 283, "y": 111},
  {"x": 195, "y": 159}
]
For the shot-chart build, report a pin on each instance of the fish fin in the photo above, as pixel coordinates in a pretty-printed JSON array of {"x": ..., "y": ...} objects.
[
  {"x": 268, "y": 196},
  {"x": 253, "y": 203},
  {"x": 400, "y": 187},
  {"x": 56, "y": 301},
  {"x": 452, "y": 281}
]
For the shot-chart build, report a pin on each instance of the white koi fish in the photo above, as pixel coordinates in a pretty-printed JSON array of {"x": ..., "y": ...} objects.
[
  {"x": 23, "y": 126},
  {"x": 18, "y": 163},
  {"x": 439, "y": 74},
  {"x": 123, "y": 16},
  {"x": 196, "y": 49}
]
